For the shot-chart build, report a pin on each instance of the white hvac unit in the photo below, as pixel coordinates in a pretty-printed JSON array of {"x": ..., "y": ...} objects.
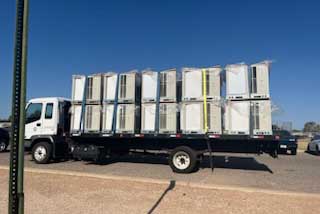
[
  {"x": 148, "y": 117},
  {"x": 107, "y": 117},
  {"x": 168, "y": 85},
  {"x": 193, "y": 83},
  {"x": 127, "y": 119},
  {"x": 260, "y": 80},
  {"x": 78, "y": 85},
  {"x": 109, "y": 86},
  {"x": 94, "y": 85},
  {"x": 76, "y": 123},
  {"x": 192, "y": 118},
  {"x": 237, "y": 118},
  {"x": 261, "y": 117},
  {"x": 149, "y": 86},
  {"x": 92, "y": 118},
  {"x": 237, "y": 82},
  {"x": 129, "y": 87},
  {"x": 168, "y": 118}
]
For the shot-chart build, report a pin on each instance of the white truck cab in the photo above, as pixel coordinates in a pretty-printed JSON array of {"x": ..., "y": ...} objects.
[{"x": 47, "y": 123}]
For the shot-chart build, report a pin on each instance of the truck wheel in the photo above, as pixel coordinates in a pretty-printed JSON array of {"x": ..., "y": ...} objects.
[
  {"x": 183, "y": 160},
  {"x": 3, "y": 146},
  {"x": 41, "y": 152}
]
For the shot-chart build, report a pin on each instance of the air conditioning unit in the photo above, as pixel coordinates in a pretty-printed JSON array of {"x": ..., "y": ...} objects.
[
  {"x": 149, "y": 86},
  {"x": 129, "y": 87},
  {"x": 192, "y": 118},
  {"x": 193, "y": 84},
  {"x": 237, "y": 118},
  {"x": 94, "y": 86},
  {"x": 76, "y": 123},
  {"x": 168, "y": 118},
  {"x": 260, "y": 80},
  {"x": 78, "y": 85},
  {"x": 237, "y": 82},
  {"x": 92, "y": 118},
  {"x": 261, "y": 121},
  {"x": 107, "y": 117},
  {"x": 168, "y": 85},
  {"x": 148, "y": 117},
  {"x": 128, "y": 119},
  {"x": 109, "y": 86}
]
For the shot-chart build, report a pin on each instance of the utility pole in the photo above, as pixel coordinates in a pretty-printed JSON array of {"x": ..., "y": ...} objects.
[{"x": 16, "y": 195}]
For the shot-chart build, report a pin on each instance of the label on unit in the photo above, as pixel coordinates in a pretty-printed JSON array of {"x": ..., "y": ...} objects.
[
  {"x": 237, "y": 81},
  {"x": 193, "y": 83},
  {"x": 261, "y": 117},
  {"x": 260, "y": 80},
  {"x": 237, "y": 117},
  {"x": 78, "y": 85}
]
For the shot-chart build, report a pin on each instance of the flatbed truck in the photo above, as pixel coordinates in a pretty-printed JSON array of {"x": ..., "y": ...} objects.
[{"x": 48, "y": 137}]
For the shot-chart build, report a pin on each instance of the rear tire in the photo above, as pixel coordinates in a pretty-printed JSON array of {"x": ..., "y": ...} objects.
[
  {"x": 183, "y": 160},
  {"x": 42, "y": 152},
  {"x": 3, "y": 146}
]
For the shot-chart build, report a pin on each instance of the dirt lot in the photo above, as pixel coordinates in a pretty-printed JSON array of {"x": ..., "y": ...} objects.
[{"x": 48, "y": 193}]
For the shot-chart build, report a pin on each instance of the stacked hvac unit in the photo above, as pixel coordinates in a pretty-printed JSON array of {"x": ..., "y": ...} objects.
[
  {"x": 159, "y": 102},
  {"x": 201, "y": 96},
  {"x": 248, "y": 106},
  {"x": 128, "y": 103},
  {"x": 86, "y": 103}
]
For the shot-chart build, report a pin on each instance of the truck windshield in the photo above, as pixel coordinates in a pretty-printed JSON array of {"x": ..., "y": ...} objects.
[{"x": 33, "y": 112}]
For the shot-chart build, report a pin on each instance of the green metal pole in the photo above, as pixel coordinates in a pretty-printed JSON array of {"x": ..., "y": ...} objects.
[{"x": 16, "y": 194}]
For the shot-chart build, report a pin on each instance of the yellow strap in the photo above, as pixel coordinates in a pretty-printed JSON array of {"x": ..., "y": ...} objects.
[{"x": 204, "y": 76}]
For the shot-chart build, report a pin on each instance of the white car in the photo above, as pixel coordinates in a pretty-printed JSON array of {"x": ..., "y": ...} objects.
[{"x": 314, "y": 145}]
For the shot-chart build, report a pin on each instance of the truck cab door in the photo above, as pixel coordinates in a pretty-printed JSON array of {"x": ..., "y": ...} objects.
[
  {"x": 34, "y": 113},
  {"x": 50, "y": 118}
]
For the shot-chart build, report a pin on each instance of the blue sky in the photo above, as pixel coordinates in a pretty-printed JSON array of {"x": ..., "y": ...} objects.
[{"x": 82, "y": 36}]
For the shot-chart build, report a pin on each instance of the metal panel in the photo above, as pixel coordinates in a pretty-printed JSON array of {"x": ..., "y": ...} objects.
[
  {"x": 237, "y": 81},
  {"x": 92, "y": 118},
  {"x": 148, "y": 117},
  {"x": 260, "y": 80},
  {"x": 109, "y": 86},
  {"x": 191, "y": 84},
  {"x": 107, "y": 117},
  {"x": 237, "y": 117},
  {"x": 168, "y": 118},
  {"x": 78, "y": 83},
  {"x": 149, "y": 86},
  {"x": 126, "y": 118},
  {"x": 75, "y": 118},
  {"x": 168, "y": 86},
  {"x": 214, "y": 117},
  {"x": 94, "y": 88},
  {"x": 192, "y": 117},
  {"x": 261, "y": 117},
  {"x": 213, "y": 83},
  {"x": 129, "y": 86}
]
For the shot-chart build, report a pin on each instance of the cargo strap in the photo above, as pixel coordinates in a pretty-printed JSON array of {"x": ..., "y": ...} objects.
[
  {"x": 157, "y": 128},
  {"x": 204, "y": 89},
  {"x": 115, "y": 107},
  {"x": 83, "y": 106}
]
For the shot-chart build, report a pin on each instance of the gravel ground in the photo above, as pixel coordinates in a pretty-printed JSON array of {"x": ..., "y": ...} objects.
[
  {"x": 287, "y": 173},
  {"x": 47, "y": 193}
]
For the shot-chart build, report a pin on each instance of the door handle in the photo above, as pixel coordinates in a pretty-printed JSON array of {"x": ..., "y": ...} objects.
[{"x": 38, "y": 124}]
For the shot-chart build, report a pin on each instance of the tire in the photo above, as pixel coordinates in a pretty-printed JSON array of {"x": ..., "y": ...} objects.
[
  {"x": 293, "y": 152},
  {"x": 3, "y": 146},
  {"x": 183, "y": 160},
  {"x": 42, "y": 152}
]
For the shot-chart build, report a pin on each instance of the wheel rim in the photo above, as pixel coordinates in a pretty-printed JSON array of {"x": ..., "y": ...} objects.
[
  {"x": 181, "y": 160},
  {"x": 40, "y": 153},
  {"x": 2, "y": 146}
]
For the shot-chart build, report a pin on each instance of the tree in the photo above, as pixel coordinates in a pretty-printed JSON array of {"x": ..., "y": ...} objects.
[{"x": 311, "y": 127}]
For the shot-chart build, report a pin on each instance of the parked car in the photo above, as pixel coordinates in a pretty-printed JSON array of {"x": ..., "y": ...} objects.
[
  {"x": 287, "y": 142},
  {"x": 314, "y": 145},
  {"x": 4, "y": 139}
]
